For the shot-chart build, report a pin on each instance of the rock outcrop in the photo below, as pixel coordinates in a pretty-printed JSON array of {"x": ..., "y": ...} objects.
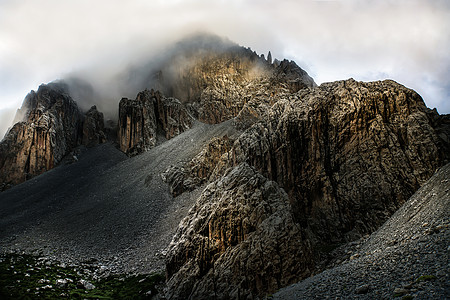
[
  {"x": 49, "y": 125},
  {"x": 406, "y": 258},
  {"x": 93, "y": 128},
  {"x": 50, "y": 128},
  {"x": 348, "y": 154},
  {"x": 236, "y": 241},
  {"x": 220, "y": 77},
  {"x": 140, "y": 120},
  {"x": 137, "y": 124},
  {"x": 200, "y": 169}
]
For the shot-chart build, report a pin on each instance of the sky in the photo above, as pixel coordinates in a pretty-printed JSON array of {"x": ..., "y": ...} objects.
[{"x": 404, "y": 40}]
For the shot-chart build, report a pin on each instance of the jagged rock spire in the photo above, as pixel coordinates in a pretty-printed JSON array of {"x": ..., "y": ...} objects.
[{"x": 269, "y": 58}]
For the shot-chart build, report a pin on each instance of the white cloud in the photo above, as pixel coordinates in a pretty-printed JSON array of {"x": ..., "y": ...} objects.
[{"x": 406, "y": 40}]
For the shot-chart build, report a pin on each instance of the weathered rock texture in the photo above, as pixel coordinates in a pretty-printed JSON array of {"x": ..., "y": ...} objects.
[
  {"x": 140, "y": 120},
  {"x": 236, "y": 241},
  {"x": 347, "y": 153},
  {"x": 200, "y": 169},
  {"x": 410, "y": 247},
  {"x": 50, "y": 128},
  {"x": 93, "y": 128},
  {"x": 221, "y": 77}
]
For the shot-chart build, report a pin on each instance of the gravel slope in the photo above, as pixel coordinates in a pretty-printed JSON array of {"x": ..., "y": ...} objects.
[
  {"x": 407, "y": 256},
  {"x": 105, "y": 208}
]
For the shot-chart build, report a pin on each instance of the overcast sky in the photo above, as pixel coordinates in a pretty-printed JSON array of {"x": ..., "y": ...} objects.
[{"x": 408, "y": 41}]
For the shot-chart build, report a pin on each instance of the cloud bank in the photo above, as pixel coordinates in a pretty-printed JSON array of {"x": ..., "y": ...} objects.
[{"x": 405, "y": 40}]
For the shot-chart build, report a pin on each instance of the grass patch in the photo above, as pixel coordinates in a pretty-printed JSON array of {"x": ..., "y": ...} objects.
[
  {"x": 426, "y": 278},
  {"x": 28, "y": 277}
]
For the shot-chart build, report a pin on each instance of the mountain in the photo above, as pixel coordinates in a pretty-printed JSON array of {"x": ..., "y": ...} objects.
[
  {"x": 343, "y": 157},
  {"x": 232, "y": 173},
  {"x": 51, "y": 126}
]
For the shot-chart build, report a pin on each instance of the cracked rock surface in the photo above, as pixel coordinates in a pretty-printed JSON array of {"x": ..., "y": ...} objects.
[
  {"x": 235, "y": 241},
  {"x": 407, "y": 256}
]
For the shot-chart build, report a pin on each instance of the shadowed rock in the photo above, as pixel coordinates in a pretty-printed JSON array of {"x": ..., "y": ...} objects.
[
  {"x": 237, "y": 241},
  {"x": 200, "y": 169},
  {"x": 50, "y": 129},
  {"x": 140, "y": 119},
  {"x": 347, "y": 153},
  {"x": 93, "y": 128}
]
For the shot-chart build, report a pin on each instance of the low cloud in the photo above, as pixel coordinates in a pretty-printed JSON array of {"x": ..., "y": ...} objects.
[{"x": 93, "y": 41}]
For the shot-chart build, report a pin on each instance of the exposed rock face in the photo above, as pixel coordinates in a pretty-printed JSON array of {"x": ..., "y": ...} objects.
[
  {"x": 347, "y": 153},
  {"x": 137, "y": 124},
  {"x": 236, "y": 241},
  {"x": 140, "y": 119},
  {"x": 411, "y": 245},
  {"x": 221, "y": 77},
  {"x": 93, "y": 128},
  {"x": 51, "y": 127},
  {"x": 200, "y": 169},
  {"x": 172, "y": 115}
]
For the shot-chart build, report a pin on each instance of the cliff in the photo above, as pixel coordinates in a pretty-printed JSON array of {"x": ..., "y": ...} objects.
[{"x": 348, "y": 154}]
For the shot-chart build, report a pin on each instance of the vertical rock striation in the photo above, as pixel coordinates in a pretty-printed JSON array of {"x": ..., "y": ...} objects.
[
  {"x": 137, "y": 124},
  {"x": 140, "y": 120},
  {"x": 348, "y": 154},
  {"x": 50, "y": 128},
  {"x": 237, "y": 241}
]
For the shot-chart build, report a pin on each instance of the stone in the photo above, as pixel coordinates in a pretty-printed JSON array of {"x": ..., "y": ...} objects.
[
  {"x": 235, "y": 241},
  {"x": 49, "y": 128},
  {"x": 363, "y": 289},
  {"x": 200, "y": 169},
  {"x": 172, "y": 115},
  {"x": 220, "y": 78},
  {"x": 86, "y": 284},
  {"x": 347, "y": 156},
  {"x": 269, "y": 58},
  {"x": 137, "y": 124},
  {"x": 61, "y": 283},
  {"x": 93, "y": 128},
  {"x": 400, "y": 292},
  {"x": 346, "y": 153},
  {"x": 140, "y": 119}
]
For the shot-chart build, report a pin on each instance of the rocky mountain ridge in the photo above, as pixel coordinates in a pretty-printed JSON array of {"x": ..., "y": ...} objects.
[
  {"x": 347, "y": 153},
  {"x": 295, "y": 168}
]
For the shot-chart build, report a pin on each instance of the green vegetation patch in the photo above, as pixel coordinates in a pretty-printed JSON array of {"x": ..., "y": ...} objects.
[
  {"x": 29, "y": 277},
  {"x": 426, "y": 278}
]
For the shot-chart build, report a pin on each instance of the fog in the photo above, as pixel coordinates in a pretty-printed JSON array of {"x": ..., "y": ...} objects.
[{"x": 96, "y": 42}]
